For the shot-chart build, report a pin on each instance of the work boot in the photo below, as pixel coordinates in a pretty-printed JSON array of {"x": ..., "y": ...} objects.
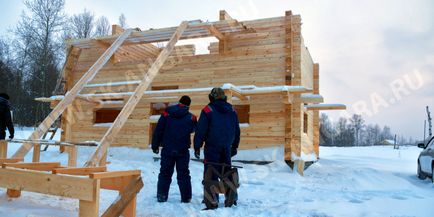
[
  {"x": 161, "y": 198},
  {"x": 185, "y": 200}
]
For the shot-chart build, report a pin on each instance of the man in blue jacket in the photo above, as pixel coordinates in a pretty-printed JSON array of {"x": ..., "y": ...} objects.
[
  {"x": 173, "y": 134},
  {"x": 219, "y": 128},
  {"x": 5, "y": 117}
]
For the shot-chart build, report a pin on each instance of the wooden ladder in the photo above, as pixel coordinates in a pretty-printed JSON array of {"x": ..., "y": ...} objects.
[{"x": 100, "y": 155}]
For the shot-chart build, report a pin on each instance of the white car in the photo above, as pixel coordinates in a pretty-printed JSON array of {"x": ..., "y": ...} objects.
[{"x": 425, "y": 162}]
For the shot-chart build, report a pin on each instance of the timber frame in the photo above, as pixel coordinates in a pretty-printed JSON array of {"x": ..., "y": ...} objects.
[
  {"x": 261, "y": 64},
  {"x": 83, "y": 183}
]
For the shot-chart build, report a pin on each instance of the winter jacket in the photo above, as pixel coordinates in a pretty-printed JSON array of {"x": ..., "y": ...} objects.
[
  {"x": 174, "y": 128},
  {"x": 5, "y": 118},
  {"x": 218, "y": 127}
]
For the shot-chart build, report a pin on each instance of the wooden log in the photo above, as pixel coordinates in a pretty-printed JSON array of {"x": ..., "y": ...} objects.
[
  {"x": 3, "y": 148},
  {"x": 134, "y": 100},
  {"x": 72, "y": 94},
  {"x": 79, "y": 171},
  {"x": 126, "y": 196}
]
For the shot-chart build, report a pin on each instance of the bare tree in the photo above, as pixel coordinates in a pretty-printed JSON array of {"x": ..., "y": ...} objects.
[
  {"x": 37, "y": 36},
  {"x": 81, "y": 25},
  {"x": 357, "y": 123},
  {"x": 102, "y": 26},
  {"x": 123, "y": 21}
]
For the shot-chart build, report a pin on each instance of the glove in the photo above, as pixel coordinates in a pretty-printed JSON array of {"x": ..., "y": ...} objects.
[
  {"x": 11, "y": 136},
  {"x": 233, "y": 152},
  {"x": 197, "y": 153},
  {"x": 156, "y": 150}
]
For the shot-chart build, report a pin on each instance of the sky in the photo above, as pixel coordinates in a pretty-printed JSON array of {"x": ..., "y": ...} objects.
[{"x": 377, "y": 57}]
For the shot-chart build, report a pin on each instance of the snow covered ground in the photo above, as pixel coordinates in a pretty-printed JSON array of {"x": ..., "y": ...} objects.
[{"x": 357, "y": 181}]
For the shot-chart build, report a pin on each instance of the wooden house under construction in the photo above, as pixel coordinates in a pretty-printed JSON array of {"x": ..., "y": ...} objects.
[{"x": 263, "y": 65}]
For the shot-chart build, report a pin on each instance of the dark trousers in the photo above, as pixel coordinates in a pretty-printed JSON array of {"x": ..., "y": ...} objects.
[
  {"x": 168, "y": 161},
  {"x": 2, "y": 135}
]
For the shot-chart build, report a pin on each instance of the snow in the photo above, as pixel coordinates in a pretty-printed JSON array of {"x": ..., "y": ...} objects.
[
  {"x": 154, "y": 117},
  {"x": 103, "y": 125},
  {"x": 311, "y": 96},
  {"x": 244, "y": 90},
  {"x": 305, "y": 157},
  {"x": 114, "y": 83},
  {"x": 322, "y": 105},
  {"x": 346, "y": 181}
]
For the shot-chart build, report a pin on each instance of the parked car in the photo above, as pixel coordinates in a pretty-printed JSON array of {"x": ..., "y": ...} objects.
[{"x": 425, "y": 162}]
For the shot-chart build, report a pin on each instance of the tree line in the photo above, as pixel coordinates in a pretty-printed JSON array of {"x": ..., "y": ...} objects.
[
  {"x": 354, "y": 132},
  {"x": 33, "y": 53}
]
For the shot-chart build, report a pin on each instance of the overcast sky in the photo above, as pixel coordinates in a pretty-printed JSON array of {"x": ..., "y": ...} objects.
[{"x": 377, "y": 57}]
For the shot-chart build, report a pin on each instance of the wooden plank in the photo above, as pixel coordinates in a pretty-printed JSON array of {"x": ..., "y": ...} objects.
[
  {"x": 40, "y": 166},
  {"x": 3, "y": 148},
  {"x": 79, "y": 171},
  {"x": 134, "y": 100},
  {"x": 11, "y": 160},
  {"x": 215, "y": 32},
  {"x": 90, "y": 208},
  {"x": 105, "y": 175},
  {"x": 40, "y": 182},
  {"x": 124, "y": 199},
  {"x": 72, "y": 94}
]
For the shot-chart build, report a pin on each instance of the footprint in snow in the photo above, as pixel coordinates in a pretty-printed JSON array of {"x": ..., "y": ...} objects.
[
  {"x": 355, "y": 201},
  {"x": 399, "y": 197}
]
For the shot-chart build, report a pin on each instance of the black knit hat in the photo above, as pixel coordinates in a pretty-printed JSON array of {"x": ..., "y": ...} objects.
[
  {"x": 217, "y": 93},
  {"x": 185, "y": 100},
  {"x": 4, "y": 95}
]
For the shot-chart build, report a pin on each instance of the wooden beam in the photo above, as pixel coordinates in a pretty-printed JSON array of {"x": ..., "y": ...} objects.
[
  {"x": 12, "y": 160},
  {"x": 3, "y": 148},
  {"x": 105, "y": 175},
  {"x": 72, "y": 155},
  {"x": 135, "y": 98},
  {"x": 72, "y": 94},
  {"x": 224, "y": 15},
  {"x": 41, "y": 166},
  {"x": 83, "y": 171},
  {"x": 40, "y": 182},
  {"x": 126, "y": 196},
  {"x": 116, "y": 29},
  {"x": 90, "y": 208},
  {"x": 215, "y": 32},
  {"x": 36, "y": 153}
]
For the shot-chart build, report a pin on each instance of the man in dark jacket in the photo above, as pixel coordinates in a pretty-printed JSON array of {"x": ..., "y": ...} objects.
[
  {"x": 5, "y": 117},
  {"x": 173, "y": 134},
  {"x": 219, "y": 128}
]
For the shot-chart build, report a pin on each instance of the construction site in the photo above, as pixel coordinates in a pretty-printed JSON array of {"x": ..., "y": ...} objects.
[{"x": 116, "y": 87}]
